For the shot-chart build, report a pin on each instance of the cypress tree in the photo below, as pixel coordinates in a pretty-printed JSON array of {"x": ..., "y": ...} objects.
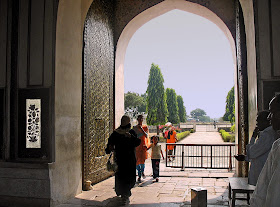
[
  {"x": 156, "y": 97},
  {"x": 182, "y": 109},
  {"x": 230, "y": 107},
  {"x": 172, "y": 106}
]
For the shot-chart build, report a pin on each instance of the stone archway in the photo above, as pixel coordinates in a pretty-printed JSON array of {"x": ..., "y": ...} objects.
[
  {"x": 146, "y": 16},
  {"x": 203, "y": 11},
  {"x": 60, "y": 71},
  {"x": 68, "y": 78}
]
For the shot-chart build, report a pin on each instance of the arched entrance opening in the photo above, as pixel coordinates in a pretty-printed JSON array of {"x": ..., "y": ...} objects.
[
  {"x": 194, "y": 56},
  {"x": 150, "y": 14},
  {"x": 245, "y": 91},
  {"x": 139, "y": 21},
  {"x": 196, "y": 61}
]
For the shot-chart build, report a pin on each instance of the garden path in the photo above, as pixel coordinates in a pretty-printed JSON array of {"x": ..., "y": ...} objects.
[{"x": 203, "y": 138}]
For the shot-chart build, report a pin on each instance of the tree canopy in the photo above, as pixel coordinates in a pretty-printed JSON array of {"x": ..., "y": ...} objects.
[
  {"x": 198, "y": 113},
  {"x": 205, "y": 118},
  {"x": 156, "y": 97},
  {"x": 172, "y": 106},
  {"x": 134, "y": 100},
  {"x": 182, "y": 109},
  {"x": 230, "y": 107}
]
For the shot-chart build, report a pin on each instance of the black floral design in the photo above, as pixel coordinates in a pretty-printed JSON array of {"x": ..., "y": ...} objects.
[{"x": 33, "y": 123}]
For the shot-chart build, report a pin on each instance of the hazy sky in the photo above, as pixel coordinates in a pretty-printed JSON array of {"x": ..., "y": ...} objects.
[{"x": 193, "y": 54}]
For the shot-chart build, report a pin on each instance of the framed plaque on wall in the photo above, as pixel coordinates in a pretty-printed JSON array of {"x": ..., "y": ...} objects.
[{"x": 34, "y": 125}]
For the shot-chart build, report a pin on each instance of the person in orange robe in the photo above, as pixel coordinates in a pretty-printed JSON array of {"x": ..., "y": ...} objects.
[
  {"x": 142, "y": 132},
  {"x": 171, "y": 138}
]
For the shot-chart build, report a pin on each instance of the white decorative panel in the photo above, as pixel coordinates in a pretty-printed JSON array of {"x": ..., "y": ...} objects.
[{"x": 33, "y": 123}]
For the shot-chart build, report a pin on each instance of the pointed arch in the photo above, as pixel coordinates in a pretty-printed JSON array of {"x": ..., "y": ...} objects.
[{"x": 145, "y": 17}]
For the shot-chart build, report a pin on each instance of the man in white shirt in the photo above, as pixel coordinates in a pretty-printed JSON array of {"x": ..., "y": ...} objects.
[
  {"x": 257, "y": 150},
  {"x": 267, "y": 192}
]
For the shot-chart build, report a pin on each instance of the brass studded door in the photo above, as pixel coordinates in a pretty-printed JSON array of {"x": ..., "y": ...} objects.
[
  {"x": 98, "y": 57},
  {"x": 242, "y": 84}
]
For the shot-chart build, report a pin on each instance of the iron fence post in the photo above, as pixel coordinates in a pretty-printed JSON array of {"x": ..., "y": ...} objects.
[
  {"x": 230, "y": 163},
  {"x": 211, "y": 157},
  {"x": 201, "y": 156},
  {"x": 183, "y": 164},
  {"x": 166, "y": 155}
]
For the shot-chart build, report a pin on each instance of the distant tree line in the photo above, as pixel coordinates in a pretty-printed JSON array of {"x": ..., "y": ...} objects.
[
  {"x": 200, "y": 115},
  {"x": 162, "y": 105},
  {"x": 134, "y": 100}
]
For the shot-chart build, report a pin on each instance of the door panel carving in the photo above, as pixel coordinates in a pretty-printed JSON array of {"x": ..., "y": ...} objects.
[
  {"x": 242, "y": 88},
  {"x": 97, "y": 90}
]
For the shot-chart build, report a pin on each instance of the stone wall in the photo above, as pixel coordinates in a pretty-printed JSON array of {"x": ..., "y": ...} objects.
[
  {"x": 266, "y": 14},
  {"x": 24, "y": 184},
  {"x": 66, "y": 170}
]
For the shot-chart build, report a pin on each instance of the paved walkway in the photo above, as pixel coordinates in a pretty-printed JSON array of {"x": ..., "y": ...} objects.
[
  {"x": 172, "y": 190},
  {"x": 203, "y": 138}
]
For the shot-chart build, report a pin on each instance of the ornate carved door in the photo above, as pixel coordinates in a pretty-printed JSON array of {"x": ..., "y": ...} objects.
[
  {"x": 242, "y": 85},
  {"x": 98, "y": 72}
]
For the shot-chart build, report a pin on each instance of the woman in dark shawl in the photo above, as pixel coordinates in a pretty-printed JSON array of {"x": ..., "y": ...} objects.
[{"x": 123, "y": 141}]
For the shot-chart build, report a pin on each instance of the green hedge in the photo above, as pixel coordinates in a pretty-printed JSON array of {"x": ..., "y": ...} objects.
[
  {"x": 179, "y": 136},
  {"x": 183, "y": 135},
  {"x": 227, "y": 137},
  {"x": 161, "y": 139},
  {"x": 232, "y": 129}
]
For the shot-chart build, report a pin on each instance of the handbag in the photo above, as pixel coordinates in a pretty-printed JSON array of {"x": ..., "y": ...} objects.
[{"x": 111, "y": 164}]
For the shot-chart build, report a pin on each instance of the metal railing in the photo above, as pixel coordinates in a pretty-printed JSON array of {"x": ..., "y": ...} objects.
[{"x": 215, "y": 156}]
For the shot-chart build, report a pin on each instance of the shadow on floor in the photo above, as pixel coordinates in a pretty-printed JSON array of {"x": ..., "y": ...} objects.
[{"x": 115, "y": 201}]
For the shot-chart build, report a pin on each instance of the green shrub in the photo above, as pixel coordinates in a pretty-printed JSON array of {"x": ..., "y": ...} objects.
[
  {"x": 183, "y": 135},
  {"x": 232, "y": 139},
  {"x": 221, "y": 131},
  {"x": 161, "y": 139},
  {"x": 192, "y": 131},
  {"x": 232, "y": 129},
  {"x": 226, "y": 136}
]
